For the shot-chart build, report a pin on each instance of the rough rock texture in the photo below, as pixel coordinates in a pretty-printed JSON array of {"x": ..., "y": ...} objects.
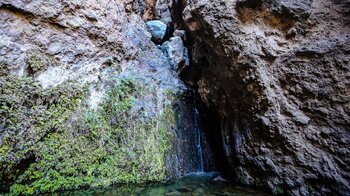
[
  {"x": 176, "y": 52},
  {"x": 86, "y": 98},
  {"x": 157, "y": 29},
  {"x": 150, "y": 9},
  {"x": 277, "y": 73}
]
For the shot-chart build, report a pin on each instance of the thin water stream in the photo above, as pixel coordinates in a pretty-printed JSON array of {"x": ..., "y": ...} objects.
[{"x": 197, "y": 130}]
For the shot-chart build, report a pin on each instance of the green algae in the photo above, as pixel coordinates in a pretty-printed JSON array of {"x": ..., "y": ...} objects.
[{"x": 28, "y": 113}]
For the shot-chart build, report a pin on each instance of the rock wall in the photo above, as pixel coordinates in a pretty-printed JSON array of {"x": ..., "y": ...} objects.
[
  {"x": 277, "y": 74},
  {"x": 86, "y": 98}
]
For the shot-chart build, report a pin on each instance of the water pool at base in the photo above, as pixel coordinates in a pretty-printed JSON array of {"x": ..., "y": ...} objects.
[{"x": 191, "y": 185}]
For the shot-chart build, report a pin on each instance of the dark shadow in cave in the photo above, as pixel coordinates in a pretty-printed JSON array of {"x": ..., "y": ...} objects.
[
  {"x": 210, "y": 123},
  {"x": 20, "y": 167},
  {"x": 212, "y": 140}
]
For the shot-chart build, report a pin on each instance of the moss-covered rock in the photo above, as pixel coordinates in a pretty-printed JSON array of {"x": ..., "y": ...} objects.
[
  {"x": 38, "y": 62},
  {"x": 28, "y": 114},
  {"x": 52, "y": 140},
  {"x": 66, "y": 123},
  {"x": 35, "y": 64}
]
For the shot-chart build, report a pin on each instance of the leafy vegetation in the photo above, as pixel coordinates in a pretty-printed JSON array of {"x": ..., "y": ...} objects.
[
  {"x": 38, "y": 62},
  {"x": 28, "y": 113},
  {"x": 51, "y": 140},
  {"x": 35, "y": 63}
]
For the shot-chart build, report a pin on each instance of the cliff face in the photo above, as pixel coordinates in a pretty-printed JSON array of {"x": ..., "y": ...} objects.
[
  {"x": 277, "y": 74},
  {"x": 86, "y": 98}
]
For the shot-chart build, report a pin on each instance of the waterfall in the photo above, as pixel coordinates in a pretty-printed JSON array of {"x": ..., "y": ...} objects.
[
  {"x": 190, "y": 153},
  {"x": 197, "y": 134}
]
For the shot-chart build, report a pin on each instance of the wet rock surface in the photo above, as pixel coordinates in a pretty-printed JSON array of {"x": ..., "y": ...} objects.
[{"x": 277, "y": 74}]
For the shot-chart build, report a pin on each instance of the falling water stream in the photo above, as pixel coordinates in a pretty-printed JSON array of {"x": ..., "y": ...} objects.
[{"x": 197, "y": 134}]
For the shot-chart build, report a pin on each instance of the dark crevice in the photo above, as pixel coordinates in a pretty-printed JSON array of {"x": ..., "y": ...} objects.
[
  {"x": 176, "y": 14},
  {"x": 211, "y": 124},
  {"x": 18, "y": 169},
  {"x": 168, "y": 34},
  {"x": 16, "y": 10},
  {"x": 212, "y": 142},
  {"x": 253, "y": 4}
]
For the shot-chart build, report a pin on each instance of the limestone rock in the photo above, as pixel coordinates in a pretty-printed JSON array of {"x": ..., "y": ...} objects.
[
  {"x": 180, "y": 33},
  {"x": 162, "y": 11}
]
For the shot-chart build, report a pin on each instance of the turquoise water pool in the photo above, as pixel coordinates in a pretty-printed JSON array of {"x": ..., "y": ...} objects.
[{"x": 193, "y": 184}]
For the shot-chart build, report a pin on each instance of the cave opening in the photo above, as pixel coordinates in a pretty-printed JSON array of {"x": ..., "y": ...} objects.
[{"x": 212, "y": 141}]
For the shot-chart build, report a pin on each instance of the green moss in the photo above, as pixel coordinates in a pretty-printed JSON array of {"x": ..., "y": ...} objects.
[
  {"x": 35, "y": 63},
  {"x": 38, "y": 62},
  {"x": 28, "y": 113},
  {"x": 75, "y": 146},
  {"x": 278, "y": 191},
  {"x": 3, "y": 69}
]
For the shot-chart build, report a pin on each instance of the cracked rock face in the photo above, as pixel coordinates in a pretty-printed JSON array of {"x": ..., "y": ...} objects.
[
  {"x": 79, "y": 41},
  {"x": 278, "y": 75}
]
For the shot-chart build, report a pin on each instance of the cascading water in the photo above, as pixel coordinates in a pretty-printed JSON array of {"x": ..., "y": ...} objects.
[
  {"x": 190, "y": 147},
  {"x": 197, "y": 134}
]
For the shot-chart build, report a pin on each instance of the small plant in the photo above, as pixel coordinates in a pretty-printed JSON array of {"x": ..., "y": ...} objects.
[
  {"x": 38, "y": 62},
  {"x": 35, "y": 64}
]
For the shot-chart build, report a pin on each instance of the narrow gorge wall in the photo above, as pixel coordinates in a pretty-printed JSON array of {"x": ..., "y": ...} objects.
[
  {"x": 277, "y": 74},
  {"x": 87, "y": 99}
]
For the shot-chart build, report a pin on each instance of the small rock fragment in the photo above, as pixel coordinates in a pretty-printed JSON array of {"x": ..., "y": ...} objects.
[{"x": 180, "y": 33}]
